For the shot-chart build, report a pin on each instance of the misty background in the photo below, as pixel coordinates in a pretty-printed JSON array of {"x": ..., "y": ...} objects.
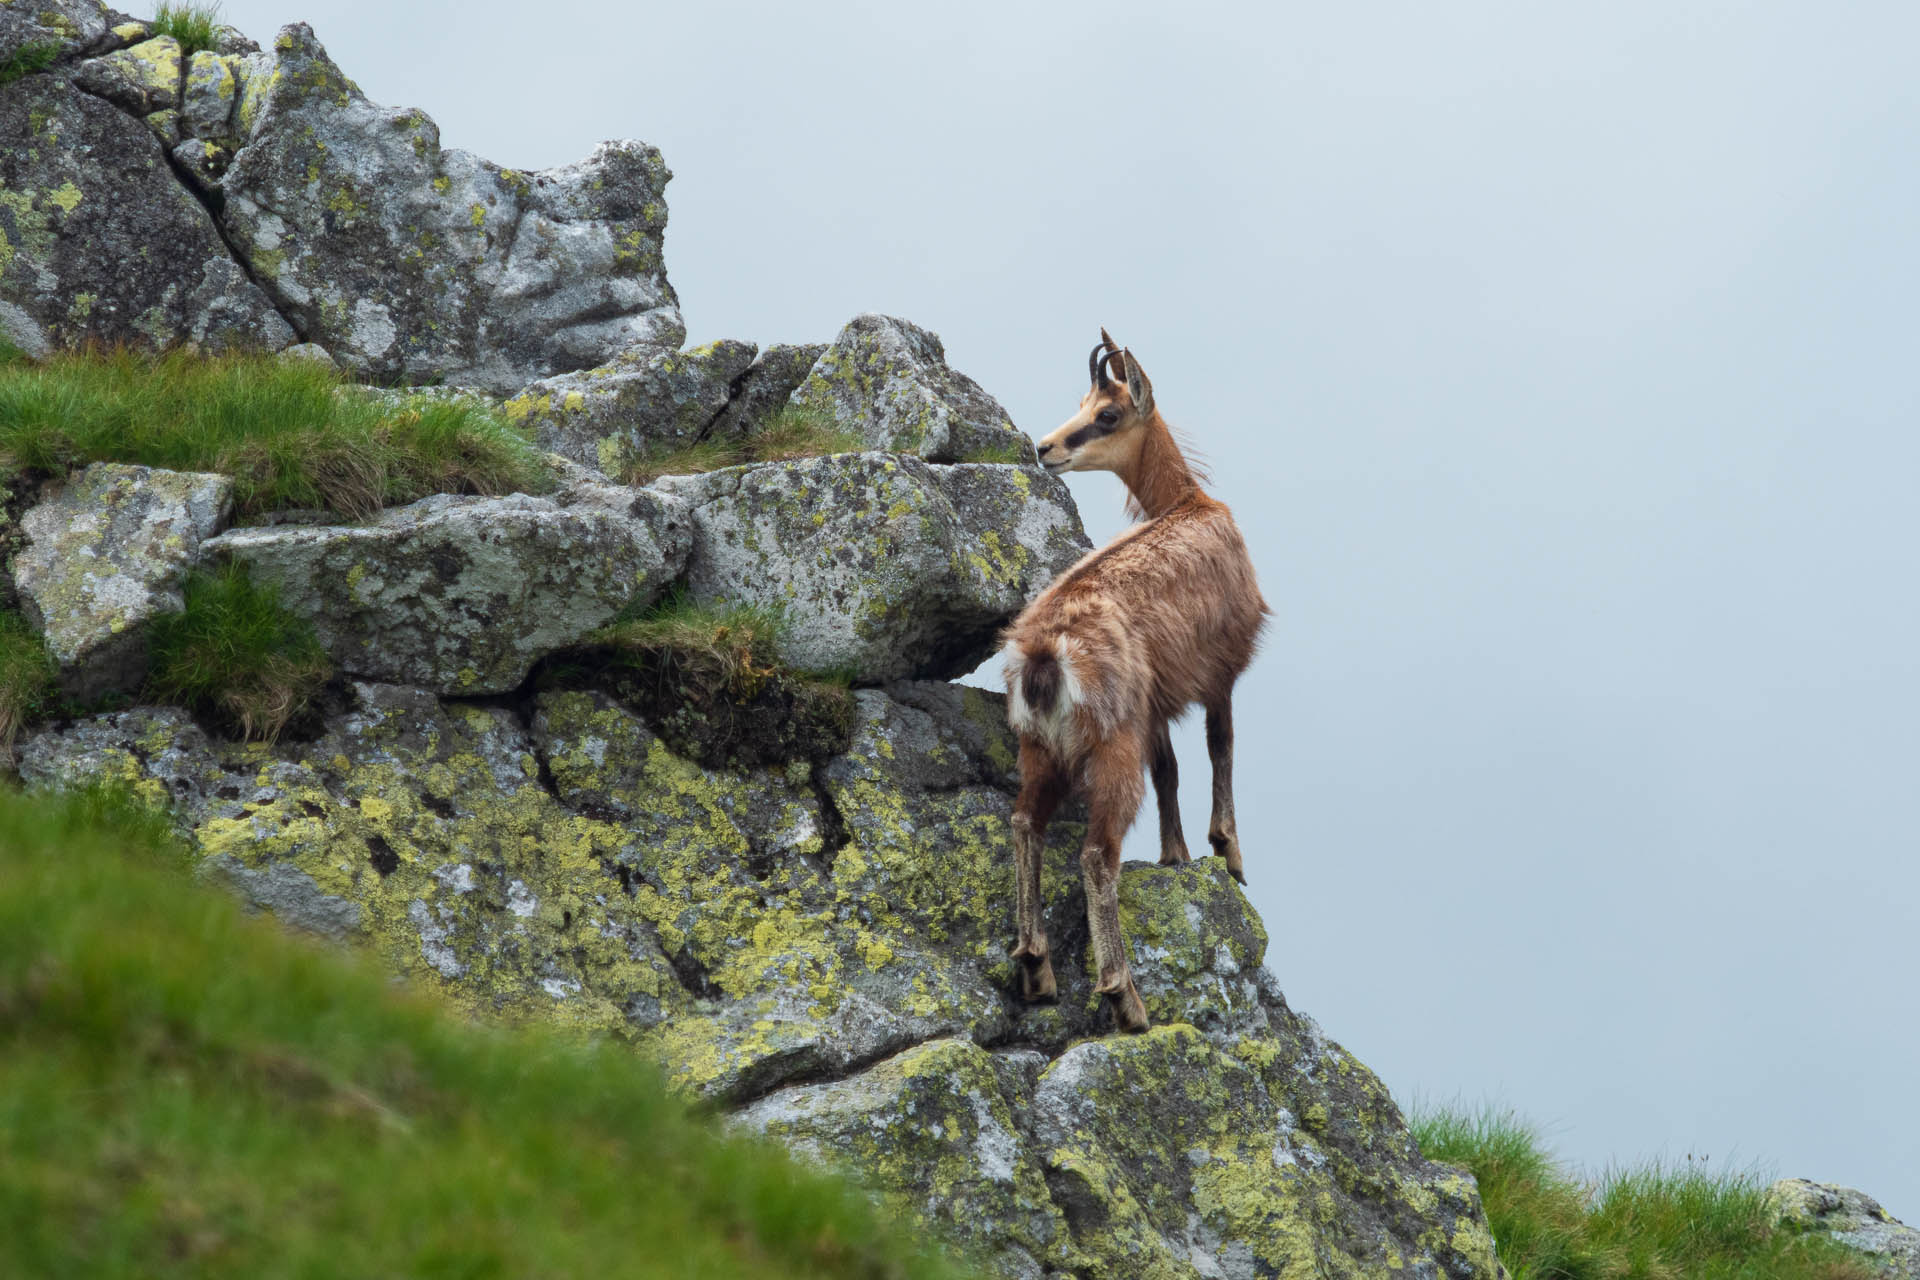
[{"x": 1560, "y": 368}]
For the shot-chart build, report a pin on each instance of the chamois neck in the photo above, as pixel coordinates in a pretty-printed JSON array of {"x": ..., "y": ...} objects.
[{"x": 1159, "y": 478}]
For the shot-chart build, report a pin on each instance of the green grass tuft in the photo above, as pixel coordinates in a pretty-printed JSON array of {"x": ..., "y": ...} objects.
[
  {"x": 185, "y": 1091},
  {"x": 791, "y": 432},
  {"x": 1009, "y": 453},
  {"x": 235, "y": 654},
  {"x": 1650, "y": 1222},
  {"x": 35, "y": 56},
  {"x": 734, "y": 646},
  {"x": 27, "y": 675},
  {"x": 193, "y": 25},
  {"x": 291, "y": 433}
]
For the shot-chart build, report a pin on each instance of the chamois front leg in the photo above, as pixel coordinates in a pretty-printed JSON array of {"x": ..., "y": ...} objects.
[
  {"x": 1042, "y": 785},
  {"x": 1166, "y": 794},
  {"x": 1114, "y": 794},
  {"x": 1220, "y": 832}
]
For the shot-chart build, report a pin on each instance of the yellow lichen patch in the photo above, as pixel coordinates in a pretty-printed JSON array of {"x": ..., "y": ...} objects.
[{"x": 66, "y": 197}]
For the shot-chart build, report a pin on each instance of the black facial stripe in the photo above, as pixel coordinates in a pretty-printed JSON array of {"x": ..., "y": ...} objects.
[{"x": 1091, "y": 432}]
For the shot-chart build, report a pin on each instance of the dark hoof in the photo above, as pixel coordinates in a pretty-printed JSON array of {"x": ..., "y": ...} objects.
[
  {"x": 1129, "y": 1014},
  {"x": 1175, "y": 857},
  {"x": 1034, "y": 977},
  {"x": 1237, "y": 874}
]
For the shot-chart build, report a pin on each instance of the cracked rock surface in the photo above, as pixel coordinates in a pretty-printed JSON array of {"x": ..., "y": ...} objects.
[
  {"x": 885, "y": 566},
  {"x": 462, "y": 594},
  {"x": 820, "y": 946}
]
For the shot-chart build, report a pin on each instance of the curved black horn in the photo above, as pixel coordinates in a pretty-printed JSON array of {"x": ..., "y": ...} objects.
[{"x": 1097, "y": 366}]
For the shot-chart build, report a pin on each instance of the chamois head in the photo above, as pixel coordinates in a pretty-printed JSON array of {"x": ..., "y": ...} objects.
[{"x": 1105, "y": 435}]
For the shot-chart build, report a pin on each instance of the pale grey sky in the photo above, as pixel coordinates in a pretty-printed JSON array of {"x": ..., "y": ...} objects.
[{"x": 1561, "y": 368}]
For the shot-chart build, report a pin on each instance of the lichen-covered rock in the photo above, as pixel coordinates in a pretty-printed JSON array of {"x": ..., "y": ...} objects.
[
  {"x": 765, "y": 388},
  {"x": 106, "y": 552},
  {"x": 824, "y": 944},
  {"x": 1170, "y": 1157},
  {"x": 99, "y": 242},
  {"x": 887, "y": 381},
  {"x": 935, "y": 1124},
  {"x": 646, "y": 398},
  {"x": 69, "y": 28},
  {"x": 464, "y": 595},
  {"x": 886, "y": 567},
  {"x": 412, "y": 262},
  {"x": 1852, "y": 1218},
  {"x": 141, "y": 78}
]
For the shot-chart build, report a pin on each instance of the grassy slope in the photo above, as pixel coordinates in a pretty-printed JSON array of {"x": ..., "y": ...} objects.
[
  {"x": 291, "y": 433},
  {"x": 1646, "y": 1223},
  {"x": 184, "y": 1091}
]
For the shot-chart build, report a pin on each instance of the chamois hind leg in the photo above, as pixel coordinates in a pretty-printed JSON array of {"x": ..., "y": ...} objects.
[
  {"x": 1043, "y": 783},
  {"x": 1166, "y": 793},
  {"x": 1115, "y": 790},
  {"x": 1220, "y": 832}
]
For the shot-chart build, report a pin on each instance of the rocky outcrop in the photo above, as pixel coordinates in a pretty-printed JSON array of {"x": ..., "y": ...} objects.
[
  {"x": 62, "y": 29},
  {"x": 464, "y": 595},
  {"x": 887, "y": 381},
  {"x": 647, "y": 398},
  {"x": 411, "y": 262},
  {"x": 764, "y": 389},
  {"x": 884, "y": 566},
  {"x": 820, "y": 946},
  {"x": 1851, "y": 1218},
  {"x": 105, "y": 553},
  {"x": 99, "y": 241}
]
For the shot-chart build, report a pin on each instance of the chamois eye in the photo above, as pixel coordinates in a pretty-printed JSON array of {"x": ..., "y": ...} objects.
[{"x": 1106, "y": 417}]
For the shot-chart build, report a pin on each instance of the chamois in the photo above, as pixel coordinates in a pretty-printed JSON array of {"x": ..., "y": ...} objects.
[{"x": 1165, "y": 615}]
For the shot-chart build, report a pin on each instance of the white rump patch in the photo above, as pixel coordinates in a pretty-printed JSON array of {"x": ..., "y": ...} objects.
[{"x": 1057, "y": 727}]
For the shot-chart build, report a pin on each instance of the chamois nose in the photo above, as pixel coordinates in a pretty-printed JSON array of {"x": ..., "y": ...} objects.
[{"x": 1046, "y": 449}]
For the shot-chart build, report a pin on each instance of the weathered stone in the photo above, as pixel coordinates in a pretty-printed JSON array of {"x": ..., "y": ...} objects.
[
  {"x": 932, "y": 1126},
  {"x": 99, "y": 242},
  {"x": 885, "y": 566},
  {"x": 887, "y": 381},
  {"x": 828, "y": 944},
  {"x": 764, "y": 389},
  {"x": 70, "y": 28},
  {"x": 410, "y": 262},
  {"x": 141, "y": 78},
  {"x": 210, "y": 101},
  {"x": 106, "y": 553},
  {"x": 647, "y": 398},
  {"x": 1851, "y": 1218},
  {"x": 463, "y": 595}
]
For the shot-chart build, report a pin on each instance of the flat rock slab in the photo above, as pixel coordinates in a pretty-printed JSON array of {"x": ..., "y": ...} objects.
[
  {"x": 885, "y": 566},
  {"x": 106, "y": 553},
  {"x": 646, "y": 398},
  {"x": 887, "y": 381},
  {"x": 411, "y": 262},
  {"x": 99, "y": 241},
  {"x": 464, "y": 595}
]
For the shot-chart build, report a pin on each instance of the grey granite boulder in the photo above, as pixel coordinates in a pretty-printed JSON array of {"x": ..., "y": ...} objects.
[
  {"x": 142, "y": 78},
  {"x": 764, "y": 389},
  {"x": 106, "y": 552},
  {"x": 939, "y": 1119},
  {"x": 411, "y": 262},
  {"x": 886, "y": 567},
  {"x": 98, "y": 241},
  {"x": 464, "y": 595},
  {"x": 1851, "y": 1218},
  {"x": 66, "y": 28},
  {"x": 645, "y": 398},
  {"x": 887, "y": 381}
]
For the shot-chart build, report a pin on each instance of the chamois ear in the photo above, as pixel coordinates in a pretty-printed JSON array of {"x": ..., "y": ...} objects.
[
  {"x": 1137, "y": 385},
  {"x": 1114, "y": 364}
]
